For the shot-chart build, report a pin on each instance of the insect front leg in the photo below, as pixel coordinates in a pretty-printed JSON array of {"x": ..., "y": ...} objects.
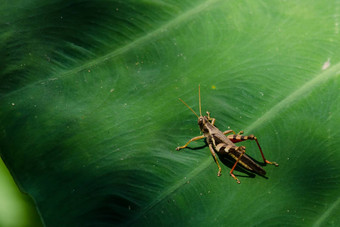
[
  {"x": 193, "y": 139},
  {"x": 211, "y": 119},
  {"x": 238, "y": 138}
]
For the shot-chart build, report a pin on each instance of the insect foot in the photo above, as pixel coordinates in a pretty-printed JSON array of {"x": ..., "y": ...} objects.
[
  {"x": 272, "y": 163},
  {"x": 237, "y": 180}
]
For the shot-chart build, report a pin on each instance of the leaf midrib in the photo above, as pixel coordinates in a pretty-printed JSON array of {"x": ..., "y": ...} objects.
[
  {"x": 298, "y": 94},
  {"x": 327, "y": 212}
]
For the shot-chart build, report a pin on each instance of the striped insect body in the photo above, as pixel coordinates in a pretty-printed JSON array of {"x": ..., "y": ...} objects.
[{"x": 219, "y": 142}]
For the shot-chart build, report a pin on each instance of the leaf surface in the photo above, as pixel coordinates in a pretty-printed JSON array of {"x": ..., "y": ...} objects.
[{"x": 90, "y": 117}]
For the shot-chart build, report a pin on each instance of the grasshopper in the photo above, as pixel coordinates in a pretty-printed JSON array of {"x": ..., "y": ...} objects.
[{"x": 219, "y": 143}]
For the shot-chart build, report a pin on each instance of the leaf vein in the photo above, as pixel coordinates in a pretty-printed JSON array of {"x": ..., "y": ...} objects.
[{"x": 117, "y": 52}]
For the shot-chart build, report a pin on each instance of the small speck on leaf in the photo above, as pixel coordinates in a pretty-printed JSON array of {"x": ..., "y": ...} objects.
[{"x": 326, "y": 64}]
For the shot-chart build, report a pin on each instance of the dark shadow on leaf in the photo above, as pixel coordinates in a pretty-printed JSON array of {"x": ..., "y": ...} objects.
[{"x": 197, "y": 148}]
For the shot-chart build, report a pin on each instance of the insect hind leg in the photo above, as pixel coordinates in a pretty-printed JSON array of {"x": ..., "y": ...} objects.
[{"x": 239, "y": 138}]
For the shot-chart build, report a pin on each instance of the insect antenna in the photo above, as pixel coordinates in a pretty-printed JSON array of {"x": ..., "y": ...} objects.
[
  {"x": 199, "y": 98},
  {"x": 189, "y": 107}
]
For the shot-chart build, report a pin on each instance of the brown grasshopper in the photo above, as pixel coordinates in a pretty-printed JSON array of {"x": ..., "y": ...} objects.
[{"x": 222, "y": 144}]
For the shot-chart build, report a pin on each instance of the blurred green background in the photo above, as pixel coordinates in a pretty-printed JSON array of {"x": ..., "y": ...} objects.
[{"x": 90, "y": 116}]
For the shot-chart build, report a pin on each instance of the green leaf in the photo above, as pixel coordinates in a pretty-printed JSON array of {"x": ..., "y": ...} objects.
[
  {"x": 16, "y": 209},
  {"x": 90, "y": 116}
]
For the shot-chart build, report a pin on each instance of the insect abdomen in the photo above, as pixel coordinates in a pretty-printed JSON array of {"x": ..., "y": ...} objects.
[{"x": 245, "y": 160}]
